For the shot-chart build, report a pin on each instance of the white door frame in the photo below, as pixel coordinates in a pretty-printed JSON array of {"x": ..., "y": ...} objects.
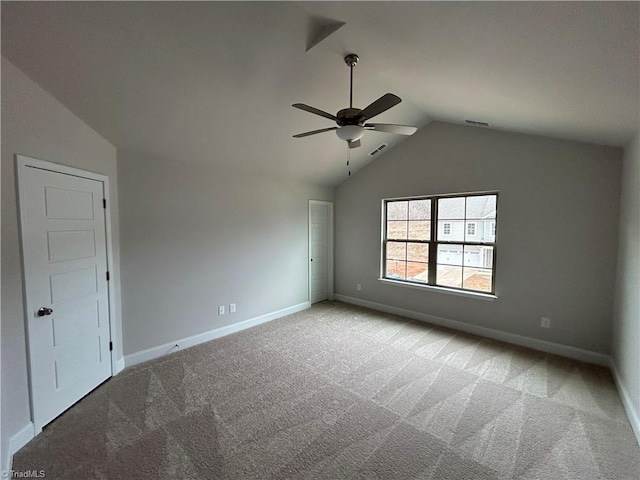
[
  {"x": 22, "y": 163},
  {"x": 329, "y": 247}
]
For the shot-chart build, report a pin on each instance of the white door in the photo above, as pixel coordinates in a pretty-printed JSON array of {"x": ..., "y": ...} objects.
[
  {"x": 65, "y": 261},
  {"x": 320, "y": 257}
]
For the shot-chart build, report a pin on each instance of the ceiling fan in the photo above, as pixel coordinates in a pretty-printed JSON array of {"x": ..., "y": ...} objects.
[{"x": 351, "y": 121}]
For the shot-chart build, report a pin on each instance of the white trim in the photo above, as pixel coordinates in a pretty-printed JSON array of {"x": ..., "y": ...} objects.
[
  {"x": 119, "y": 366},
  {"x": 111, "y": 284},
  {"x": 627, "y": 401},
  {"x": 513, "y": 338},
  {"x": 450, "y": 291},
  {"x": 22, "y": 163},
  {"x": 161, "y": 350},
  {"x": 16, "y": 442},
  {"x": 329, "y": 247}
]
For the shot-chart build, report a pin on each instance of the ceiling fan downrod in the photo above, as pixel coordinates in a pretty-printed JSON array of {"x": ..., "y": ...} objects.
[{"x": 352, "y": 61}]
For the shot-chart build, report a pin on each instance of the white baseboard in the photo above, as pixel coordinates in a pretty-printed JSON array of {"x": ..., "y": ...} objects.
[
  {"x": 16, "y": 442},
  {"x": 119, "y": 366},
  {"x": 161, "y": 350},
  {"x": 632, "y": 413},
  {"x": 534, "y": 343}
]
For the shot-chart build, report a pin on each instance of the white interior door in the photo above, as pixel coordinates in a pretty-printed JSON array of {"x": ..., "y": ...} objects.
[
  {"x": 320, "y": 251},
  {"x": 65, "y": 262}
]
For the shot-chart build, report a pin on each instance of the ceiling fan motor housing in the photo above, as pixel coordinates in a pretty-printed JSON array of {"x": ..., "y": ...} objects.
[
  {"x": 351, "y": 124},
  {"x": 349, "y": 116}
]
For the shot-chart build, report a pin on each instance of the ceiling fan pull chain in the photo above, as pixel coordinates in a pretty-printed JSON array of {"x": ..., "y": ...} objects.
[{"x": 348, "y": 159}]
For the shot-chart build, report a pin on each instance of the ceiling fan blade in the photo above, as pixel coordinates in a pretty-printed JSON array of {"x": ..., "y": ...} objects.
[
  {"x": 309, "y": 109},
  {"x": 313, "y": 132},
  {"x": 391, "y": 128},
  {"x": 354, "y": 144},
  {"x": 382, "y": 104}
]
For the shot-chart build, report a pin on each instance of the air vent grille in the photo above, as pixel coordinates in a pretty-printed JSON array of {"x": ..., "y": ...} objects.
[
  {"x": 478, "y": 123},
  {"x": 377, "y": 150}
]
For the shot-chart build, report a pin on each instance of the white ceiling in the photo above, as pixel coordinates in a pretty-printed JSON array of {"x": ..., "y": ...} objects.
[{"x": 214, "y": 81}]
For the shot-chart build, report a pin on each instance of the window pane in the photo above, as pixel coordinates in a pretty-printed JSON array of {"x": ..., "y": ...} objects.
[
  {"x": 487, "y": 257},
  {"x": 451, "y": 230},
  {"x": 477, "y": 279},
  {"x": 450, "y": 254},
  {"x": 397, "y": 229},
  {"x": 481, "y": 207},
  {"x": 419, "y": 230},
  {"x": 486, "y": 231},
  {"x": 420, "y": 210},
  {"x": 451, "y": 208},
  {"x": 478, "y": 256},
  {"x": 397, "y": 210},
  {"x": 397, "y": 251},
  {"x": 396, "y": 269},
  {"x": 472, "y": 256},
  {"x": 471, "y": 231},
  {"x": 417, "y": 252},
  {"x": 448, "y": 276},
  {"x": 417, "y": 272}
]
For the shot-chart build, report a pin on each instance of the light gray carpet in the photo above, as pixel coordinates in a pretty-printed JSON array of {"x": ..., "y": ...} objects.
[{"x": 341, "y": 392}]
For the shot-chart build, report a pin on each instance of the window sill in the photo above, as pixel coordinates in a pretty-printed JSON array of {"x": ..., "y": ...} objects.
[{"x": 449, "y": 291}]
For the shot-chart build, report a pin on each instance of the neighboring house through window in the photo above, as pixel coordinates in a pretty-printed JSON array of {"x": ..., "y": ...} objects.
[{"x": 459, "y": 253}]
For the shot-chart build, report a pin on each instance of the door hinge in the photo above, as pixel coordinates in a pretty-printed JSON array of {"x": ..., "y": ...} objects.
[
  {"x": 110, "y": 346},
  {"x": 104, "y": 203},
  {"x": 108, "y": 276}
]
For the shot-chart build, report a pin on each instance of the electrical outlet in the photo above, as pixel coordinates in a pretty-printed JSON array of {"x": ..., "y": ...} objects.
[
  {"x": 358, "y": 287},
  {"x": 221, "y": 310},
  {"x": 545, "y": 322},
  {"x": 232, "y": 308}
]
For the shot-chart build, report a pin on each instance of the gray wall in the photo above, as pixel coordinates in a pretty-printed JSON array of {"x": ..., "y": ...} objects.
[
  {"x": 195, "y": 237},
  {"x": 557, "y": 229},
  {"x": 37, "y": 125},
  {"x": 626, "y": 334}
]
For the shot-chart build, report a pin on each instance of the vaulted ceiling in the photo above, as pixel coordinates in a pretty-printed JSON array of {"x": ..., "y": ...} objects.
[{"x": 214, "y": 81}]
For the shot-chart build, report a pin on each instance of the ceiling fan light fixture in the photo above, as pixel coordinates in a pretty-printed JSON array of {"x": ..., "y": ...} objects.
[
  {"x": 350, "y": 133},
  {"x": 351, "y": 121}
]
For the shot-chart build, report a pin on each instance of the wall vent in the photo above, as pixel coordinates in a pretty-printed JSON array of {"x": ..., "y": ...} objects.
[
  {"x": 377, "y": 150},
  {"x": 478, "y": 123}
]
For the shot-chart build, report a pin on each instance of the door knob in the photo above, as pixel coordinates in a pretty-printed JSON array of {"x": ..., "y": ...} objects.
[{"x": 42, "y": 311}]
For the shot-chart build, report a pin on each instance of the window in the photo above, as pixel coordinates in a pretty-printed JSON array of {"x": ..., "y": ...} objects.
[
  {"x": 471, "y": 229},
  {"x": 457, "y": 254}
]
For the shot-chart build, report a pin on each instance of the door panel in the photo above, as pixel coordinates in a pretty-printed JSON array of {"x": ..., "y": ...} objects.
[
  {"x": 71, "y": 245},
  {"x": 65, "y": 261},
  {"x": 66, "y": 326},
  {"x": 65, "y": 203},
  {"x": 74, "y": 284}
]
